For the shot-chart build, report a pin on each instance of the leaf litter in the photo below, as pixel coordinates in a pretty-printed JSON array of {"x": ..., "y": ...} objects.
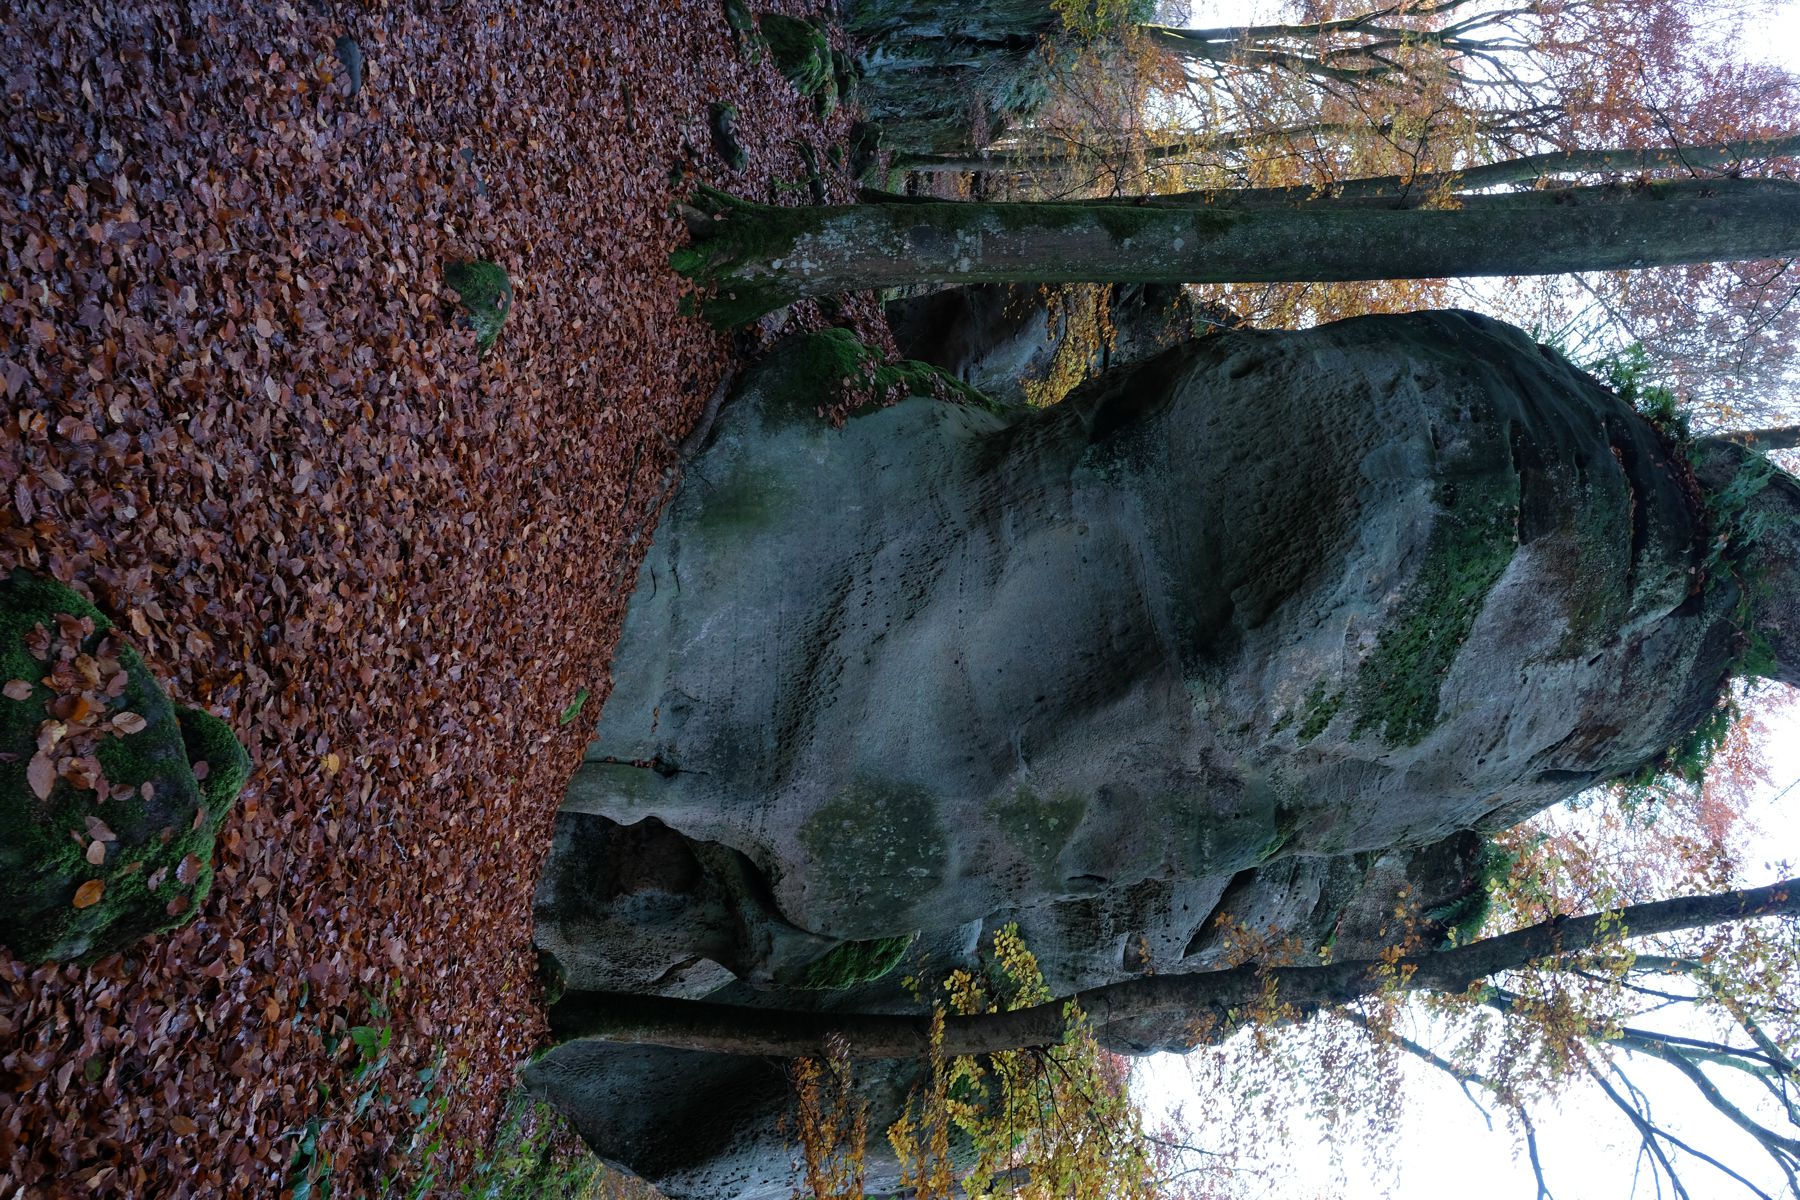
[{"x": 244, "y": 418}]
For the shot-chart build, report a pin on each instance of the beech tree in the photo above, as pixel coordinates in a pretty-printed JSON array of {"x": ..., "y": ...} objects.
[
  {"x": 758, "y": 258},
  {"x": 1046, "y": 1106}
]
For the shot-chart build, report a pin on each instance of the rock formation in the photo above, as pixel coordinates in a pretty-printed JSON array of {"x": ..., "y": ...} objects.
[
  {"x": 1253, "y": 631},
  {"x": 996, "y": 336}
]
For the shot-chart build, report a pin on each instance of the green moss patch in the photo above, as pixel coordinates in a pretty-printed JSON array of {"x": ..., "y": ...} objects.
[
  {"x": 802, "y": 55},
  {"x": 106, "y": 830},
  {"x": 833, "y": 368},
  {"x": 852, "y": 963},
  {"x": 1474, "y": 540},
  {"x": 1318, "y": 711},
  {"x": 878, "y": 847},
  {"x": 486, "y": 294},
  {"x": 1039, "y": 827}
]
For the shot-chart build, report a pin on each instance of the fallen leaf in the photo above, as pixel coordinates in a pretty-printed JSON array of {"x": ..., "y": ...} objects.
[
  {"x": 188, "y": 869},
  {"x": 333, "y": 763},
  {"x": 17, "y": 689},
  {"x": 41, "y": 774},
  {"x": 96, "y": 854},
  {"x": 183, "y": 1126},
  {"x": 80, "y": 772},
  {"x": 129, "y": 722},
  {"x": 89, "y": 893}
]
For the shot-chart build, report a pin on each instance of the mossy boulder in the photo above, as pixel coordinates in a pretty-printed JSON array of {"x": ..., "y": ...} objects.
[
  {"x": 801, "y": 54},
  {"x": 110, "y": 795},
  {"x": 721, "y": 120},
  {"x": 486, "y": 294}
]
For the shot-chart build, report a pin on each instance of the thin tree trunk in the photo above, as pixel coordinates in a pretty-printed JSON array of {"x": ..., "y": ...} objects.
[
  {"x": 1779, "y": 437},
  {"x": 728, "y": 1029},
  {"x": 1528, "y": 169},
  {"x": 1023, "y": 157},
  {"x": 762, "y": 257}
]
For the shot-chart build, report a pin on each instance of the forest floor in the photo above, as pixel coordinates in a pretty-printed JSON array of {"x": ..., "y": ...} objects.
[{"x": 244, "y": 420}]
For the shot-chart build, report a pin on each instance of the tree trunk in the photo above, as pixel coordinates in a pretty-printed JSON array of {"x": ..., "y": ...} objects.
[
  {"x": 1778, "y": 437},
  {"x": 1528, "y": 169},
  {"x": 1218, "y": 995},
  {"x": 1024, "y": 155},
  {"x": 762, "y": 258}
]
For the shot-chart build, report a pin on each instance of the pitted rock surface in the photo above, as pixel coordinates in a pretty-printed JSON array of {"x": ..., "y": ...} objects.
[
  {"x": 1260, "y": 634},
  {"x": 1267, "y": 597}
]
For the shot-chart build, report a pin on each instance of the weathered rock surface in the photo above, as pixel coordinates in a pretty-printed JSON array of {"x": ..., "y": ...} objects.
[
  {"x": 1255, "y": 631},
  {"x": 704, "y": 1125},
  {"x": 995, "y": 336}
]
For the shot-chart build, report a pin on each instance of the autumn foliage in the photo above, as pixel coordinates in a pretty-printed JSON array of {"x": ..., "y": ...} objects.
[
  {"x": 1346, "y": 89},
  {"x": 243, "y": 418}
]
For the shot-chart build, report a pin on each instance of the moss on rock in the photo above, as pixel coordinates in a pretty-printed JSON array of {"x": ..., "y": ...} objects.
[
  {"x": 1397, "y": 685},
  {"x": 879, "y": 846},
  {"x": 1319, "y": 710},
  {"x": 486, "y": 293},
  {"x": 851, "y": 963},
  {"x": 835, "y": 363},
  {"x": 801, "y": 53},
  {"x": 84, "y": 872}
]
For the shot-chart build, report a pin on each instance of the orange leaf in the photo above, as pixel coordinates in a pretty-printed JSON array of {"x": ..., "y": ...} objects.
[
  {"x": 89, "y": 893},
  {"x": 182, "y": 1125}
]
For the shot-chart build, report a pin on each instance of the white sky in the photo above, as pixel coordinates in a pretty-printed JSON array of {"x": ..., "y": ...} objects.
[{"x": 1587, "y": 1147}]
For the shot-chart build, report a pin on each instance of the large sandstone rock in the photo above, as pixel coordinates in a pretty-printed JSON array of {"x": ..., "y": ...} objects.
[
  {"x": 1254, "y": 632},
  {"x": 1265, "y": 597}
]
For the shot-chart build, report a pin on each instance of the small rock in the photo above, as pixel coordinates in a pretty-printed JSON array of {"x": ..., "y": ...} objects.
[
  {"x": 486, "y": 293},
  {"x": 722, "y": 118},
  {"x": 75, "y": 885},
  {"x": 349, "y": 52}
]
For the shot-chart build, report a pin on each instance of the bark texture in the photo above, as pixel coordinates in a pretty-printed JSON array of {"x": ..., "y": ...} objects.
[{"x": 762, "y": 257}]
